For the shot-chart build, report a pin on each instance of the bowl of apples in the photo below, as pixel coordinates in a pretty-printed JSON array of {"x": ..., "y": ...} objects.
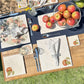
[{"x": 67, "y": 15}]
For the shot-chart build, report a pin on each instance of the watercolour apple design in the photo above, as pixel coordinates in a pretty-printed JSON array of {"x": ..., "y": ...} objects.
[
  {"x": 57, "y": 16},
  {"x": 66, "y": 14},
  {"x": 70, "y": 21},
  {"x": 35, "y": 27},
  {"x": 71, "y": 8},
  {"x": 75, "y": 42},
  {"x": 45, "y": 18},
  {"x": 62, "y": 7},
  {"x": 9, "y": 71},
  {"x": 49, "y": 25},
  {"x": 76, "y": 15},
  {"x": 62, "y": 22},
  {"x": 66, "y": 61}
]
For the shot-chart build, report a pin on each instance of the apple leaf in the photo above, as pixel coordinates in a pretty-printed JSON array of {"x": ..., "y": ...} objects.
[
  {"x": 13, "y": 72},
  {"x": 68, "y": 62},
  {"x": 67, "y": 58},
  {"x": 8, "y": 73}
]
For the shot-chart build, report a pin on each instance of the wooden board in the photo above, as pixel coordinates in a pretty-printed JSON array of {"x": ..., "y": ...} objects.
[
  {"x": 6, "y": 6},
  {"x": 77, "y": 54}
]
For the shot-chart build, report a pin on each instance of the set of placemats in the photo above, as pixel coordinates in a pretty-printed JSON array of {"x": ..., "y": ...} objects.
[
  {"x": 13, "y": 60},
  {"x": 14, "y": 31}
]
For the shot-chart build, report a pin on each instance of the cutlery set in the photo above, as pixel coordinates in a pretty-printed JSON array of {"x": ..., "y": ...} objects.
[{"x": 36, "y": 56}]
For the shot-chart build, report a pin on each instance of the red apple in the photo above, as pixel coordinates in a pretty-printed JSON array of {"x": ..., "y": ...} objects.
[
  {"x": 76, "y": 15},
  {"x": 66, "y": 14},
  {"x": 45, "y": 18},
  {"x": 62, "y": 7},
  {"x": 57, "y": 16},
  {"x": 35, "y": 27},
  {"x": 49, "y": 25},
  {"x": 71, "y": 8},
  {"x": 52, "y": 19},
  {"x": 70, "y": 21},
  {"x": 62, "y": 22}
]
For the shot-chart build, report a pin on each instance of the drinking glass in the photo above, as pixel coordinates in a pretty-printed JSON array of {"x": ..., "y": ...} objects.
[{"x": 33, "y": 11}]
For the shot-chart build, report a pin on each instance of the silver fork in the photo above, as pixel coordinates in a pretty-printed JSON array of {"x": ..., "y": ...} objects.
[
  {"x": 48, "y": 35},
  {"x": 35, "y": 57}
]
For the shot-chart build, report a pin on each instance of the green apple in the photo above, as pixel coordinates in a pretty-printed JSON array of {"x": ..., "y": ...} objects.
[{"x": 80, "y": 4}]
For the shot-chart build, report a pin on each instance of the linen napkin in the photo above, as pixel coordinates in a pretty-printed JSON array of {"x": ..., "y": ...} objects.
[{"x": 54, "y": 49}]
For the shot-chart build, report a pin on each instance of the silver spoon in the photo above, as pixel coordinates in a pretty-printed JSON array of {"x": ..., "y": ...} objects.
[
  {"x": 30, "y": 23},
  {"x": 48, "y": 35}
]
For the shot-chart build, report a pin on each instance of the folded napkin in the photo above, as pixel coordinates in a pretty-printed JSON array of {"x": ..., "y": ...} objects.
[{"x": 54, "y": 49}]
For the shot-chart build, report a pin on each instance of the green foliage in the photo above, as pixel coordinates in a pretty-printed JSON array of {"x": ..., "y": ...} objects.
[{"x": 71, "y": 76}]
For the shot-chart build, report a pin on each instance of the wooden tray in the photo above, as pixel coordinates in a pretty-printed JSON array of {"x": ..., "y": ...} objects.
[{"x": 77, "y": 54}]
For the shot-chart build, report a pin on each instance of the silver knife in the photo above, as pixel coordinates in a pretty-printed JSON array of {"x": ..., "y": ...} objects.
[
  {"x": 36, "y": 51},
  {"x": 58, "y": 49}
]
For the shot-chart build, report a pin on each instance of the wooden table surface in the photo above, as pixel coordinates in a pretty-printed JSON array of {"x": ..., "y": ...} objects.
[{"x": 77, "y": 54}]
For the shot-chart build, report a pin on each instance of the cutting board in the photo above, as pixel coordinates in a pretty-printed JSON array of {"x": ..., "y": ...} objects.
[{"x": 77, "y": 54}]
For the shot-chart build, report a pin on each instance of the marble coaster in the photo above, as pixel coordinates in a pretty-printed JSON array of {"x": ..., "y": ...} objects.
[{"x": 73, "y": 40}]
